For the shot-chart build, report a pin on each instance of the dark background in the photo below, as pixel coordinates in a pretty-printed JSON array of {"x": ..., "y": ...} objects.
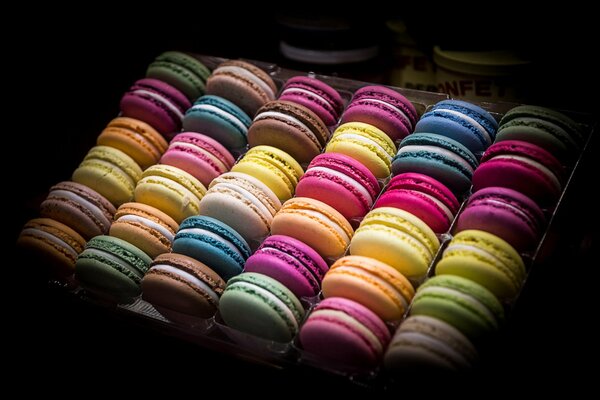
[{"x": 69, "y": 75}]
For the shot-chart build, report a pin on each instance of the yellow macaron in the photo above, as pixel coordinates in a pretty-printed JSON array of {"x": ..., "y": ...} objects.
[
  {"x": 273, "y": 167},
  {"x": 365, "y": 143},
  {"x": 397, "y": 238}
]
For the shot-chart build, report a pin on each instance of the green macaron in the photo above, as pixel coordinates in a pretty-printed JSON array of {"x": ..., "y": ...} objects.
[
  {"x": 181, "y": 71},
  {"x": 261, "y": 306},
  {"x": 462, "y": 303},
  {"x": 112, "y": 268}
]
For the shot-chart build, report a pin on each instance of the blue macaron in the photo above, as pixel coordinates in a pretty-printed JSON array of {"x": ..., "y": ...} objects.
[
  {"x": 439, "y": 157},
  {"x": 464, "y": 122},
  {"x": 220, "y": 119},
  {"x": 213, "y": 243}
]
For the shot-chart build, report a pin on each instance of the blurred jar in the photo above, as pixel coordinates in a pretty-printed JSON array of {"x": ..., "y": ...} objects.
[
  {"x": 410, "y": 67},
  {"x": 482, "y": 75}
]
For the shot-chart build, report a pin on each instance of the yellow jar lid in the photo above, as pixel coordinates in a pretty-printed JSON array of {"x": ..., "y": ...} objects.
[{"x": 485, "y": 63}]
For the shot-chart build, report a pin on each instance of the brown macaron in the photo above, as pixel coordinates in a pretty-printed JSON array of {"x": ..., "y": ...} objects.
[
  {"x": 182, "y": 288},
  {"x": 80, "y": 208},
  {"x": 54, "y": 243},
  {"x": 290, "y": 127},
  {"x": 146, "y": 227},
  {"x": 242, "y": 83}
]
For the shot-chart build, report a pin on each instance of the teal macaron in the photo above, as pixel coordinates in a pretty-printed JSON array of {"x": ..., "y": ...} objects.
[
  {"x": 182, "y": 71},
  {"x": 261, "y": 306},
  {"x": 549, "y": 129},
  {"x": 112, "y": 268},
  {"x": 439, "y": 157},
  {"x": 462, "y": 303},
  {"x": 213, "y": 243},
  {"x": 220, "y": 119}
]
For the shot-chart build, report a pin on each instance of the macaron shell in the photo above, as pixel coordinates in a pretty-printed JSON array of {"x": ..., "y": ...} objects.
[
  {"x": 144, "y": 227},
  {"x": 369, "y": 282},
  {"x": 314, "y": 223},
  {"x": 135, "y": 138},
  {"x": 244, "y": 84},
  {"x": 290, "y": 127},
  {"x": 180, "y": 70},
  {"x": 53, "y": 242},
  {"x": 79, "y": 207},
  {"x": 315, "y": 95},
  {"x": 109, "y": 172}
]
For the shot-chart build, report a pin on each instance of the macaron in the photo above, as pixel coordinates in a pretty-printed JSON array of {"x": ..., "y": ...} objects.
[
  {"x": 244, "y": 203},
  {"x": 486, "y": 259},
  {"x": 146, "y": 227},
  {"x": 468, "y": 124},
  {"x": 372, "y": 283},
  {"x": 384, "y": 108},
  {"x": 439, "y": 157},
  {"x": 261, "y": 306},
  {"x": 171, "y": 190},
  {"x": 290, "y": 127},
  {"x": 315, "y": 223},
  {"x": 199, "y": 155},
  {"x": 80, "y": 208},
  {"x": 242, "y": 83},
  {"x": 506, "y": 213},
  {"x": 397, "y": 238},
  {"x": 345, "y": 332},
  {"x": 112, "y": 268},
  {"x": 524, "y": 167},
  {"x": 213, "y": 243},
  {"x": 180, "y": 70},
  {"x": 181, "y": 288},
  {"x": 156, "y": 103},
  {"x": 425, "y": 343},
  {"x": 549, "y": 129},
  {"x": 315, "y": 95},
  {"x": 341, "y": 182},
  {"x": 54, "y": 243},
  {"x": 365, "y": 143},
  {"x": 219, "y": 119},
  {"x": 273, "y": 167},
  {"x": 460, "y": 302},
  {"x": 135, "y": 138},
  {"x": 109, "y": 172},
  {"x": 291, "y": 262},
  {"x": 422, "y": 196}
]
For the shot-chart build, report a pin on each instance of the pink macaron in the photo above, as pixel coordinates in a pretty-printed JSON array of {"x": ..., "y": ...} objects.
[
  {"x": 346, "y": 333},
  {"x": 315, "y": 95},
  {"x": 156, "y": 103},
  {"x": 422, "y": 196},
  {"x": 522, "y": 166},
  {"x": 384, "y": 108},
  {"x": 506, "y": 213},
  {"x": 291, "y": 262},
  {"x": 341, "y": 182},
  {"x": 199, "y": 155}
]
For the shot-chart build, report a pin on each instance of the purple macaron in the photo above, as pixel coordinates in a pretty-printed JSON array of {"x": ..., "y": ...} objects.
[
  {"x": 315, "y": 95},
  {"x": 505, "y": 213},
  {"x": 384, "y": 108},
  {"x": 291, "y": 262},
  {"x": 156, "y": 103},
  {"x": 522, "y": 166}
]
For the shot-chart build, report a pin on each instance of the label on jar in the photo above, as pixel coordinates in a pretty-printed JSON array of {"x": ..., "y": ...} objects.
[{"x": 481, "y": 88}]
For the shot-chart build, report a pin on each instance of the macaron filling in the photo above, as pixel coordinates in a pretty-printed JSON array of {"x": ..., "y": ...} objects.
[
  {"x": 390, "y": 106},
  {"x": 203, "y": 232},
  {"x": 56, "y": 241},
  {"x": 351, "y": 323},
  {"x": 149, "y": 223},
  {"x": 244, "y": 73},
  {"x": 81, "y": 203},
  {"x": 162, "y": 100},
  {"x": 468, "y": 122},
  {"x": 291, "y": 120},
  {"x": 187, "y": 277},
  {"x": 357, "y": 186},
  {"x": 545, "y": 170},
  {"x": 211, "y": 109}
]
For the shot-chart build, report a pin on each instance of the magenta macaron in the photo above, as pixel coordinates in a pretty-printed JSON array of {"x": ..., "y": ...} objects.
[
  {"x": 346, "y": 333},
  {"x": 522, "y": 166},
  {"x": 422, "y": 196},
  {"x": 506, "y": 213},
  {"x": 384, "y": 108},
  {"x": 291, "y": 262},
  {"x": 156, "y": 103},
  {"x": 199, "y": 155},
  {"x": 315, "y": 95},
  {"x": 341, "y": 182}
]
